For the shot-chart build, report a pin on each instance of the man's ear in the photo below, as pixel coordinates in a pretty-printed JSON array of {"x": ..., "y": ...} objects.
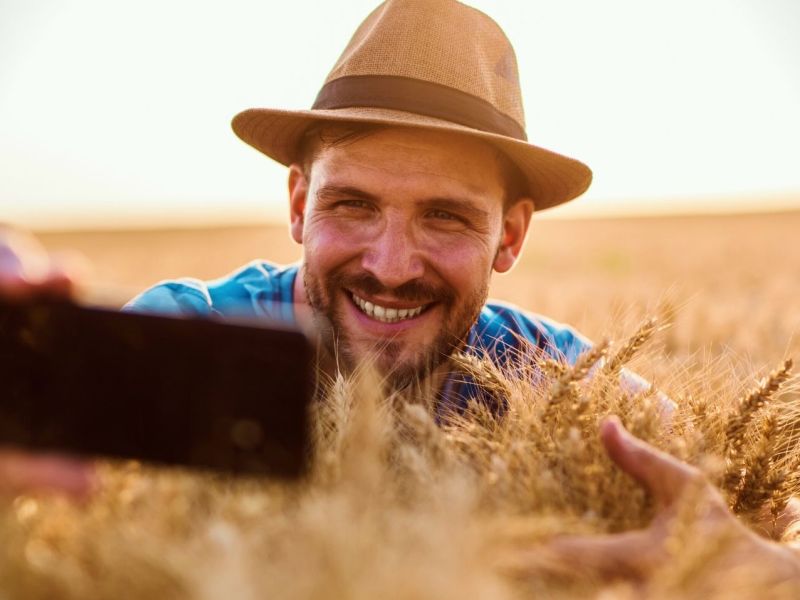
[
  {"x": 516, "y": 221},
  {"x": 298, "y": 190}
]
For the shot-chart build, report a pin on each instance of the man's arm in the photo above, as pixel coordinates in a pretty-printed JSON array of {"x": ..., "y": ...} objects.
[{"x": 182, "y": 297}]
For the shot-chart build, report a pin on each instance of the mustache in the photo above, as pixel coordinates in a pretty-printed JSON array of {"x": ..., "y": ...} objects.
[{"x": 411, "y": 291}]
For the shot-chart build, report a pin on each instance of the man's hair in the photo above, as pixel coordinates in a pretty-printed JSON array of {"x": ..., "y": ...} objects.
[{"x": 325, "y": 135}]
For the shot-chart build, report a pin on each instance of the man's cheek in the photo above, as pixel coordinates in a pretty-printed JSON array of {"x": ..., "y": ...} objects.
[{"x": 341, "y": 234}]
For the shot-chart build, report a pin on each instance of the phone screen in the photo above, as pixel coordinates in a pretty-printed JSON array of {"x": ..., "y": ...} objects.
[{"x": 193, "y": 392}]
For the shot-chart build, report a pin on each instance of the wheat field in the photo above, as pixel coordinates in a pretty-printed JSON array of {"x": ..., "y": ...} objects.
[
  {"x": 397, "y": 506},
  {"x": 729, "y": 282}
]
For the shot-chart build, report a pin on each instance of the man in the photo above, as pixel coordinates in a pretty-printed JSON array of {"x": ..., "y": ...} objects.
[{"x": 410, "y": 181}]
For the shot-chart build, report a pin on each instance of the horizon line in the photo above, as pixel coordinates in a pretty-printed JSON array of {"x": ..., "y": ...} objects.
[{"x": 751, "y": 204}]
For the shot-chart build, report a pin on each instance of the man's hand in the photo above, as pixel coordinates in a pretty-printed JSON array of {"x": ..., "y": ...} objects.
[
  {"x": 22, "y": 473},
  {"x": 27, "y": 270},
  {"x": 675, "y": 487}
]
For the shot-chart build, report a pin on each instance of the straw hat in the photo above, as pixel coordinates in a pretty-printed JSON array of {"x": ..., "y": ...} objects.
[{"x": 436, "y": 64}]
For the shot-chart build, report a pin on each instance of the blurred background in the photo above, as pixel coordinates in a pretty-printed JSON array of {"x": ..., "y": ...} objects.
[
  {"x": 116, "y": 114},
  {"x": 115, "y": 141}
]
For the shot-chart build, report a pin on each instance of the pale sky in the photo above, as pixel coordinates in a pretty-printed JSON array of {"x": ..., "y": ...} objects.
[{"x": 118, "y": 114}]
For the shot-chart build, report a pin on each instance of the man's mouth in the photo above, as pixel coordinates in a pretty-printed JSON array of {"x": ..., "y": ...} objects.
[{"x": 385, "y": 314}]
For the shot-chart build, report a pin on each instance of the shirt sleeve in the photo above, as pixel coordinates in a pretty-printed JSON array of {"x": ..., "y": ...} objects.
[
  {"x": 183, "y": 297},
  {"x": 564, "y": 340}
]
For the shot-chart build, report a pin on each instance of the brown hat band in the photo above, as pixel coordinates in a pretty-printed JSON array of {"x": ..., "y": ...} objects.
[{"x": 417, "y": 96}]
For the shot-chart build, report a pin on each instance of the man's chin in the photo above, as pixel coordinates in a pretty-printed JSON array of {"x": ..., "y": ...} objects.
[
  {"x": 398, "y": 366},
  {"x": 405, "y": 376}
]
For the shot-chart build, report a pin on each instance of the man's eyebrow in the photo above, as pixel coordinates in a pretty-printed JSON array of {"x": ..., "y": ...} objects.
[
  {"x": 344, "y": 190},
  {"x": 461, "y": 206}
]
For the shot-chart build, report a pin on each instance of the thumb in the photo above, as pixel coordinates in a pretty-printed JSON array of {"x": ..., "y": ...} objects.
[
  {"x": 632, "y": 554},
  {"x": 664, "y": 476}
]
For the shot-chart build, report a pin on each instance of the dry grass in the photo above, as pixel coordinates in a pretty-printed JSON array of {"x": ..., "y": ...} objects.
[{"x": 399, "y": 507}]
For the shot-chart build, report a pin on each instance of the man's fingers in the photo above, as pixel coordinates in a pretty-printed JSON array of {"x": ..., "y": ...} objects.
[
  {"x": 63, "y": 273},
  {"x": 663, "y": 475},
  {"x": 28, "y": 270},
  {"x": 56, "y": 285},
  {"x": 23, "y": 473}
]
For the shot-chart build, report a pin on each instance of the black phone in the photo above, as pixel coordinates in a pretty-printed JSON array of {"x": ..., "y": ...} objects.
[{"x": 177, "y": 391}]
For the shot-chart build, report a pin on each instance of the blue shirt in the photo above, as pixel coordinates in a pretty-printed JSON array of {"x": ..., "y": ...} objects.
[{"x": 264, "y": 290}]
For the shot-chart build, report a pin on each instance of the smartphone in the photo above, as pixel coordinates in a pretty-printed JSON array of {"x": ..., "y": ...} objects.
[{"x": 176, "y": 391}]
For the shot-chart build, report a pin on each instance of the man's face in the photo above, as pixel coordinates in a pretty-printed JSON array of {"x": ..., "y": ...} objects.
[{"x": 401, "y": 230}]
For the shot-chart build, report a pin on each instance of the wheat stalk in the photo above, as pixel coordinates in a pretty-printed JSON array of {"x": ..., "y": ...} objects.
[
  {"x": 749, "y": 406},
  {"x": 631, "y": 346}
]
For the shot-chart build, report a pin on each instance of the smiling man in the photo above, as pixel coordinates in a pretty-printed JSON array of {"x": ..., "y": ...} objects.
[
  {"x": 410, "y": 181},
  {"x": 401, "y": 230}
]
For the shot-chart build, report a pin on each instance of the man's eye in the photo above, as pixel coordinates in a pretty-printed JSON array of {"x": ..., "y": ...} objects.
[
  {"x": 363, "y": 204},
  {"x": 444, "y": 215}
]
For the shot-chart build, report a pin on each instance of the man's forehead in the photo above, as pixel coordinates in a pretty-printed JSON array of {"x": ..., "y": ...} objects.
[
  {"x": 438, "y": 157},
  {"x": 410, "y": 138}
]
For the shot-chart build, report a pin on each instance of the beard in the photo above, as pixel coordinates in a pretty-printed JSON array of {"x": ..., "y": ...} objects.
[{"x": 387, "y": 355}]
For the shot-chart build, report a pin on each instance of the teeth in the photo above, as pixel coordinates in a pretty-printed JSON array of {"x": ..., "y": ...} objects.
[{"x": 386, "y": 315}]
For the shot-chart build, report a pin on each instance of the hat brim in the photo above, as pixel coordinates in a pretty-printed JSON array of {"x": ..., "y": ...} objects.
[{"x": 553, "y": 178}]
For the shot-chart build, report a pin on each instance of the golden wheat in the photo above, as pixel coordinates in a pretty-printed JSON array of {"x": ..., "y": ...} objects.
[{"x": 399, "y": 505}]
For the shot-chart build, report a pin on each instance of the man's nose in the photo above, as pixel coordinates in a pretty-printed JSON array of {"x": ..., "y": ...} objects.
[{"x": 393, "y": 256}]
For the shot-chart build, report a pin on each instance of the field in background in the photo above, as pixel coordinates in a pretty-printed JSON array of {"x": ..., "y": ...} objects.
[
  {"x": 731, "y": 284},
  {"x": 395, "y": 504}
]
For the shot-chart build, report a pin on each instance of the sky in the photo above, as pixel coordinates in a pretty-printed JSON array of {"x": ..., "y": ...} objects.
[{"x": 117, "y": 114}]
